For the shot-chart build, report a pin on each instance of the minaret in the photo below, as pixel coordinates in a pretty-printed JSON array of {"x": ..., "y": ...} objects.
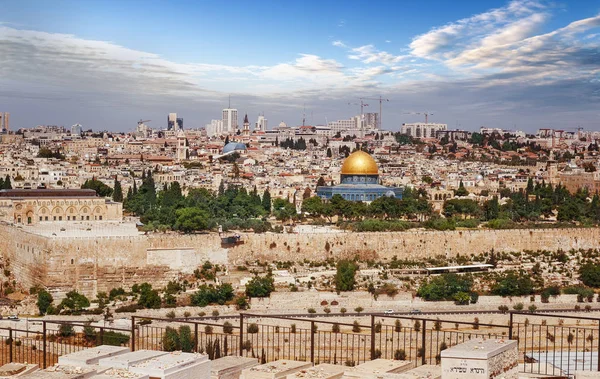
[
  {"x": 182, "y": 146},
  {"x": 246, "y": 131}
]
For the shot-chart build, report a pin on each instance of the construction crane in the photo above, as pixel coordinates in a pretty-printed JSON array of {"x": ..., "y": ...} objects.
[
  {"x": 427, "y": 114},
  {"x": 143, "y": 121},
  {"x": 362, "y": 105},
  {"x": 381, "y": 100}
]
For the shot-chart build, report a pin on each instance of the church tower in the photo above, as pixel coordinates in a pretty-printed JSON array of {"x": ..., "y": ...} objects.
[
  {"x": 246, "y": 131},
  {"x": 182, "y": 146}
]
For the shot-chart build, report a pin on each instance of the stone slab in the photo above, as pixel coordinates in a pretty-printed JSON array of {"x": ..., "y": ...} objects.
[
  {"x": 587, "y": 374},
  {"x": 175, "y": 365},
  {"x": 230, "y": 367},
  {"x": 481, "y": 359},
  {"x": 116, "y": 373},
  {"x": 92, "y": 355},
  {"x": 16, "y": 370},
  {"x": 62, "y": 372},
  {"x": 321, "y": 371},
  {"x": 274, "y": 370},
  {"x": 375, "y": 368},
  {"x": 420, "y": 372},
  {"x": 125, "y": 361},
  {"x": 478, "y": 348}
]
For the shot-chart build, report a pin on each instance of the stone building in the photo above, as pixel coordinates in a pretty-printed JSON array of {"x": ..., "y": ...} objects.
[{"x": 34, "y": 206}]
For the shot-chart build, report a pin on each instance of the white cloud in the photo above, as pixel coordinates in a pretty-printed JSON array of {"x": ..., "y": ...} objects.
[
  {"x": 368, "y": 54},
  {"x": 338, "y": 43}
]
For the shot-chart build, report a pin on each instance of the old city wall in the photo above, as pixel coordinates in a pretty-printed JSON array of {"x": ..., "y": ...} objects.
[
  {"x": 413, "y": 245},
  {"x": 99, "y": 264}
]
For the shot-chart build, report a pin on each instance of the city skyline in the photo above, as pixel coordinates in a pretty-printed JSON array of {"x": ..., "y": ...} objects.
[{"x": 501, "y": 64}]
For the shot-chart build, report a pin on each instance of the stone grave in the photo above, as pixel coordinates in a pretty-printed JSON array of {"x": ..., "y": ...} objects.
[
  {"x": 16, "y": 370},
  {"x": 175, "y": 365},
  {"x": 124, "y": 361},
  {"x": 420, "y": 372},
  {"x": 375, "y": 368},
  {"x": 230, "y": 367},
  {"x": 275, "y": 370},
  {"x": 62, "y": 372},
  {"x": 117, "y": 373},
  {"x": 91, "y": 356},
  {"x": 321, "y": 371},
  {"x": 481, "y": 359}
]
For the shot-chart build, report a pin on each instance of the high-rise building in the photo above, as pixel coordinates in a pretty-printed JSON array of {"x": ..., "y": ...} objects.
[
  {"x": 171, "y": 121},
  {"x": 422, "y": 130},
  {"x": 261, "y": 124},
  {"x": 230, "y": 120},
  {"x": 179, "y": 123},
  {"x": 4, "y": 122},
  {"x": 371, "y": 121},
  {"x": 76, "y": 130},
  {"x": 215, "y": 128}
]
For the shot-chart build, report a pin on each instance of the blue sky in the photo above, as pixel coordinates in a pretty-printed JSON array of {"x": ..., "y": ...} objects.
[{"x": 106, "y": 64}]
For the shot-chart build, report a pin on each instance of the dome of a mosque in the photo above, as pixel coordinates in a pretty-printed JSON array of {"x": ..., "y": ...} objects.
[
  {"x": 359, "y": 163},
  {"x": 234, "y": 146}
]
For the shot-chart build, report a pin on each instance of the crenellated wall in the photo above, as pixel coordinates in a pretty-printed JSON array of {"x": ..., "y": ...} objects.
[{"x": 92, "y": 264}]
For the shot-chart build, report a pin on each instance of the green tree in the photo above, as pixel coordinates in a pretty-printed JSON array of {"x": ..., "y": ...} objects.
[
  {"x": 74, "y": 301},
  {"x": 44, "y": 301},
  {"x": 461, "y": 191},
  {"x": 446, "y": 287},
  {"x": 149, "y": 297},
  {"x": 313, "y": 206},
  {"x": 7, "y": 184},
  {"x": 260, "y": 286},
  {"x": 117, "y": 191},
  {"x": 589, "y": 274},
  {"x": 345, "y": 275},
  {"x": 100, "y": 188},
  {"x": 266, "y": 201},
  {"x": 512, "y": 283},
  {"x": 283, "y": 209},
  {"x": 191, "y": 219}
]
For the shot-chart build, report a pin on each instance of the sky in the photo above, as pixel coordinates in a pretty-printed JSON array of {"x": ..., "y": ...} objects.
[{"x": 523, "y": 64}]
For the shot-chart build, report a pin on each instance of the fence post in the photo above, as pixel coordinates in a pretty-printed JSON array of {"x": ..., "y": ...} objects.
[
  {"x": 44, "y": 344},
  {"x": 241, "y": 334},
  {"x": 423, "y": 339},
  {"x": 312, "y": 341},
  {"x": 372, "y": 337},
  {"x": 599, "y": 345},
  {"x": 101, "y": 336},
  {"x": 10, "y": 345},
  {"x": 196, "y": 336},
  {"x": 132, "y": 333},
  {"x": 510, "y": 329}
]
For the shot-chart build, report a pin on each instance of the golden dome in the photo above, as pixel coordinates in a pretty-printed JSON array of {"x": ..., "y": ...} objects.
[{"x": 359, "y": 163}]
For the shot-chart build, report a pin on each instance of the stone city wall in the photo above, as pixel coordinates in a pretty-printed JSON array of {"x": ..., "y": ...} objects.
[
  {"x": 91, "y": 264},
  {"x": 414, "y": 245}
]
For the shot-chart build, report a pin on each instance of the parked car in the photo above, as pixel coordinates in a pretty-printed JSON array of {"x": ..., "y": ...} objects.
[
  {"x": 388, "y": 311},
  {"x": 13, "y": 317},
  {"x": 415, "y": 311}
]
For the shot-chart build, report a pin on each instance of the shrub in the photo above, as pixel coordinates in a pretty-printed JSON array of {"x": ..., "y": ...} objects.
[
  {"x": 127, "y": 308},
  {"x": 532, "y": 308},
  {"x": 476, "y": 323},
  {"x": 171, "y": 314},
  {"x": 215, "y": 313},
  {"x": 312, "y": 310},
  {"x": 293, "y": 328},
  {"x": 327, "y": 310},
  {"x": 335, "y": 328},
  {"x": 344, "y": 310},
  {"x": 252, "y": 328},
  {"x": 114, "y": 338},
  {"x": 356, "y": 327},
  {"x": 186, "y": 314},
  {"x": 207, "y": 295},
  {"x": 437, "y": 325},
  {"x": 66, "y": 330},
  {"x": 518, "y": 307},
  {"x": 227, "y": 328},
  {"x": 398, "y": 326},
  {"x": 174, "y": 340},
  {"x": 400, "y": 355},
  {"x": 44, "y": 301},
  {"x": 359, "y": 309},
  {"x": 208, "y": 329},
  {"x": 417, "y": 326},
  {"x": 503, "y": 308}
]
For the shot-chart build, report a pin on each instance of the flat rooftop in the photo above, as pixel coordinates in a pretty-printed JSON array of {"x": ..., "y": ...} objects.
[{"x": 83, "y": 229}]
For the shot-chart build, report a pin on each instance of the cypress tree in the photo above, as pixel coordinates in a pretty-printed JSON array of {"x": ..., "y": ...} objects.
[
  {"x": 7, "y": 184},
  {"x": 266, "y": 200},
  {"x": 117, "y": 191}
]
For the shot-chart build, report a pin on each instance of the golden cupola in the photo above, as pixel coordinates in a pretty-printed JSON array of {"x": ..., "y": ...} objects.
[{"x": 359, "y": 163}]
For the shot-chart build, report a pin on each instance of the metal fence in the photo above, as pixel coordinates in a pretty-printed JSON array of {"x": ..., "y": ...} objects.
[{"x": 559, "y": 348}]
